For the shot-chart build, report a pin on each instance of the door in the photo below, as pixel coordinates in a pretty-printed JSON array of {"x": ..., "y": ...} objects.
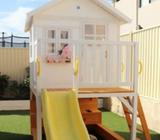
[{"x": 94, "y": 56}]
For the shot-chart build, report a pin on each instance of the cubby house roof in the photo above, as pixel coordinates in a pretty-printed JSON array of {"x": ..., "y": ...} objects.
[{"x": 101, "y": 3}]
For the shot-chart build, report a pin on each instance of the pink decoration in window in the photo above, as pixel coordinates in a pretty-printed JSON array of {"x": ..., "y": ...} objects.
[{"x": 63, "y": 57}]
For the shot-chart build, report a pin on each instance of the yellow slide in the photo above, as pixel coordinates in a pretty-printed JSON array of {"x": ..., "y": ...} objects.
[{"x": 62, "y": 117}]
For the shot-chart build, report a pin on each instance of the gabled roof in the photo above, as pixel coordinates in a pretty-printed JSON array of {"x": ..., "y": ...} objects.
[{"x": 101, "y": 3}]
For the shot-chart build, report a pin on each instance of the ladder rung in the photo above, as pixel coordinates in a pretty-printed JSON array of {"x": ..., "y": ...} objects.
[
  {"x": 138, "y": 128},
  {"x": 127, "y": 112}
]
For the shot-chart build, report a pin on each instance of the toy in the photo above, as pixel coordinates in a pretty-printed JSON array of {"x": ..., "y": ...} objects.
[
  {"x": 62, "y": 57},
  {"x": 66, "y": 54}
]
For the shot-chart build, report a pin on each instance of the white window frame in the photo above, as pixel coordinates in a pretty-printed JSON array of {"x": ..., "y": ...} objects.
[
  {"x": 142, "y": 4},
  {"x": 95, "y": 35},
  {"x": 57, "y": 40}
]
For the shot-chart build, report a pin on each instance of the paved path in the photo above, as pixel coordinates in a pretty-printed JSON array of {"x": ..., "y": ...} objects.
[{"x": 14, "y": 105}]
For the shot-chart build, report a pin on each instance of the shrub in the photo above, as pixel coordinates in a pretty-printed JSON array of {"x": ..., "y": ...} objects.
[
  {"x": 11, "y": 91},
  {"x": 27, "y": 72},
  {"x": 4, "y": 81},
  {"x": 24, "y": 87}
]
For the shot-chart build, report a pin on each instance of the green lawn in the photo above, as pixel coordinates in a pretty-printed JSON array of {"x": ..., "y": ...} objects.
[
  {"x": 14, "y": 125},
  {"x": 119, "y": 125}
]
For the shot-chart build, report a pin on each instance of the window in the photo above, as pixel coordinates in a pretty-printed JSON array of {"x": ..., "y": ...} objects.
[
  {"x": 95, "y": 32},
  {"x": 144, "y": 2},
  {"x": 56, "y": 39},
  {"x": 52, "y": 34},
  {"x": 64, "y": 35},
  {"x": 51, "y": 47},
  {"x": 112, "y": 2},
  {"x": 58, "y": 50},
  {"x": 52, "y": 43}
]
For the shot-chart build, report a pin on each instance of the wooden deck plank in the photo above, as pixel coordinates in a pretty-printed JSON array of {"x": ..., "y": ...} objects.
[
  {"x": 104, "y": 90},
  {"x": 97, "y": 90}
]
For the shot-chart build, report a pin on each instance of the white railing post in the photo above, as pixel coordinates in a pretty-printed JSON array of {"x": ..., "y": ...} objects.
[
  {"x": 128, "y": 63},
  {"x": 135, "y": 98},
  {"x": 74, "y": 82},
  {"x": 119, "y": 67},
  {"x": 135, "y": 73}
]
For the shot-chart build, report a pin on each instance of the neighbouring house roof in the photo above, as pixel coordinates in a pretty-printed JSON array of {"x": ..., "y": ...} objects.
[{"x": 101, "y": 3}]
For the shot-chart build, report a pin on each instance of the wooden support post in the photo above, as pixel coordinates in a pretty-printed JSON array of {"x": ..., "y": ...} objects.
[
  {"x": 141, "y": 115},
  {"x": 33, "y": 116}
]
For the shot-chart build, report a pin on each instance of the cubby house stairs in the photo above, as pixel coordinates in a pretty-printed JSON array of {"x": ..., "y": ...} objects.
[{"x": 140, "y": 114}]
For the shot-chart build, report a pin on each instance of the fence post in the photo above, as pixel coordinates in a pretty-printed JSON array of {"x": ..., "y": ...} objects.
[
  {"x": 12, "y": 40},
  {"x": 3, "y": 41},
  {"x": 24, "y": 44},
  {"x": 131, "y": 36}
]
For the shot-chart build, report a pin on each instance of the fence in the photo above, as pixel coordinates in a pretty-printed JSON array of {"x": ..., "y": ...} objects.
[
  {"x": 14, "y": 41},
  {"x": 13, "y": 62},
  {"x": 149, "y": 60}
]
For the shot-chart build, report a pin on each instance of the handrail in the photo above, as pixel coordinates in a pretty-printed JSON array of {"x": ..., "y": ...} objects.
[
  {"x": 38, "y": 67},
  {"x": 76, "y": 67},
  {"x": 111, "y": 43},
  {"x": 140, "y": 67}
]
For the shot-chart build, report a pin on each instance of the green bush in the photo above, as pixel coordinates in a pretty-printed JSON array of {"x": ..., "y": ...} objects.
[
  {"x": 12, "y": 90},
  {"x": 4, "y": 81},
  {"x": 24, "y": 87}
]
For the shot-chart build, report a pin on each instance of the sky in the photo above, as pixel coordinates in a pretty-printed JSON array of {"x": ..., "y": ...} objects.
[{"x": 13, "y": 15}]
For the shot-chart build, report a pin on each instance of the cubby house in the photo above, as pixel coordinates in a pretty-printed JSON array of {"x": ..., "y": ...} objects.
[
  {"x": 59, "y": 21},
  {"x": 75, "y": 44}
]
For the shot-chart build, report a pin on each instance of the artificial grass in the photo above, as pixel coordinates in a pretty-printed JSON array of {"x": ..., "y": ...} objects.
[
  {"x": 15, "y": 125},
  {"x": 119, "y": 125}
]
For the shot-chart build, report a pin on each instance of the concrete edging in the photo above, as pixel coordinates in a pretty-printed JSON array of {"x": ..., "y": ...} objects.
[{"x": 14, "y": 105}]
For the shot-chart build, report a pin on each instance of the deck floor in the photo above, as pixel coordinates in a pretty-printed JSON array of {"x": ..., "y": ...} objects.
[{"x": 97, "y": 90}]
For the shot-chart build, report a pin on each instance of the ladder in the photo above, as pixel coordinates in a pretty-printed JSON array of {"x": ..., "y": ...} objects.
[{"x": 140, "y": 115}]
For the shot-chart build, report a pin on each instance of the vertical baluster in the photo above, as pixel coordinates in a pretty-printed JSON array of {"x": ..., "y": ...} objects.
[
  {"x": 128, "y": 63},
  {"x": 93, "y": 63},
  {"x": 135, "y": 80},
  {"x": 87, "y": 65},
  {"x": 82, "y": 63},
  {"x": 87, "y": 59},
  {"x": 107, "y": 62},
  {"x": 102, "y": 73},
  {"x": 73, "y": 61},
  {"x": 119, "y": 65}
]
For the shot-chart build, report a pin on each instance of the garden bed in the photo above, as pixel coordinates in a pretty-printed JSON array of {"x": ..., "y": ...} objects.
[{"x": 12, "y": 90}]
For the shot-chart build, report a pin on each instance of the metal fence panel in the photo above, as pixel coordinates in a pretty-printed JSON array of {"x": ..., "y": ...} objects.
[
  {"x": 149, "y": 60},
  {"x": 13, "y": 62},
  {"x": 13, "y": 41}
]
